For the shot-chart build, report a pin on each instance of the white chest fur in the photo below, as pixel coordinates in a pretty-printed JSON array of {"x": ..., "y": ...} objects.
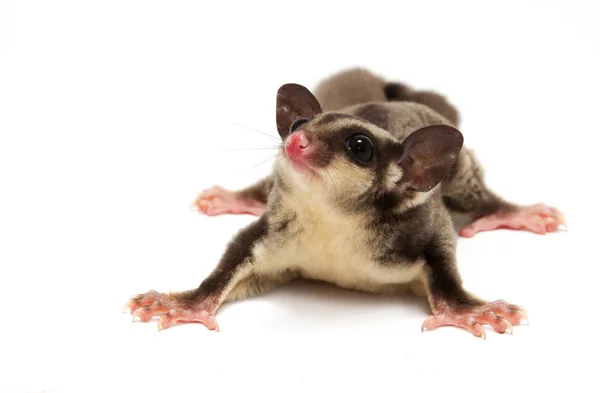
[{"x": 324, "y": 244}]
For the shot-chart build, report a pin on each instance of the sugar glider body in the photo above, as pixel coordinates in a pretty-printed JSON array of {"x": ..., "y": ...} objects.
[{"x": 362, "y": 198}]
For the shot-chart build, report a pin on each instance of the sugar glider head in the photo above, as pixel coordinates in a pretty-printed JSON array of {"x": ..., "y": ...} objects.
[{"x": 351, "y": 161}]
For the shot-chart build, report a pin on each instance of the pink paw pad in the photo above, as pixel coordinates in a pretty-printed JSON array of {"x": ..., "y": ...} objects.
[
  {"x": 217, "y": 200},
  {"x": 538, "y": 218},
  {"x": 500, "y": 315}
]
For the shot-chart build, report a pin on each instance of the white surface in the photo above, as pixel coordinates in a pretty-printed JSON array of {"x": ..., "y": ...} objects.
[{"x": 114, "y": 114}]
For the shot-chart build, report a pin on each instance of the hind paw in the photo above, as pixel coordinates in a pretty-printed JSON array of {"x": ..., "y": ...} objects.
[{"x": 539, "y": 218}]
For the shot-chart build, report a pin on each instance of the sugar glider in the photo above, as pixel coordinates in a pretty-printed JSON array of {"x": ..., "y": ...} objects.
[{"x": 362, "y": 197}]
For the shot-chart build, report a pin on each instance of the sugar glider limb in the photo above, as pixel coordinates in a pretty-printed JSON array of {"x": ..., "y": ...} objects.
[
  {"x": 363, "y": 94},
  {"x": 355, "y": 200}
]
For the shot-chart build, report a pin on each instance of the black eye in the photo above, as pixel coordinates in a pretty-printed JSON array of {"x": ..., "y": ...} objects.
[
  {"x": 297, "y": 123},
  {"x": 360, "y": 147}
]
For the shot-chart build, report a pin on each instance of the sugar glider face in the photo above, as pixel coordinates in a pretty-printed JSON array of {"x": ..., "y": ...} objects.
[
  {"x": 348, "y": 159},
  {"x": 341, "y": 156}
]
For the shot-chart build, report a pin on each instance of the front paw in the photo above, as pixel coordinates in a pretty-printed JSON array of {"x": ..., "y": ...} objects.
[
  {"x": 500, "y": 315},
  {"x": 172, "y": 309},
  {"x": 217, "y": 200}
]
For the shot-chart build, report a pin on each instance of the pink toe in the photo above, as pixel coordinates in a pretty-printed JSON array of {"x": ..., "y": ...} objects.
[{"x": 467, "y": 232}]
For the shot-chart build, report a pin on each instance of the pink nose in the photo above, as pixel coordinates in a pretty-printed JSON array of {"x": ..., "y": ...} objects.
[
  {"x": 297, "y": 144},
  {"x": 299, "y": 138}
]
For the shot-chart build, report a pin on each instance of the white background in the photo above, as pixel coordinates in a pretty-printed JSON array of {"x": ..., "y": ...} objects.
[{"x": 115, "y": 114}]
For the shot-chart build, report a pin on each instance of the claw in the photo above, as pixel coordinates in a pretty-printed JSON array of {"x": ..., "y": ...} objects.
[
  {"x": 143, "y": 314},
  {"x": 209, "y": 321},
  {"x": 518, "y": 316},
  {"x": 214, "y": 324},
  {"x": 136, "y": 315}
]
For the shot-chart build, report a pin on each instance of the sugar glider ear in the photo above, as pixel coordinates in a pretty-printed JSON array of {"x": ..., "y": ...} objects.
[
  {"x": 428, "y": 154},
  {"x": 294, "y": 102}
]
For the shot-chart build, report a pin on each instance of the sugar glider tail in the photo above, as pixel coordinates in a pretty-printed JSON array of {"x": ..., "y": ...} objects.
[{"x": 358, "y": 86}]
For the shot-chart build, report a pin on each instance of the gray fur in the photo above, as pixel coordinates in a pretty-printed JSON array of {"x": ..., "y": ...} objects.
[
  {"x": 359, "y": 86},
  {"x": 354, "y": 86}
]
